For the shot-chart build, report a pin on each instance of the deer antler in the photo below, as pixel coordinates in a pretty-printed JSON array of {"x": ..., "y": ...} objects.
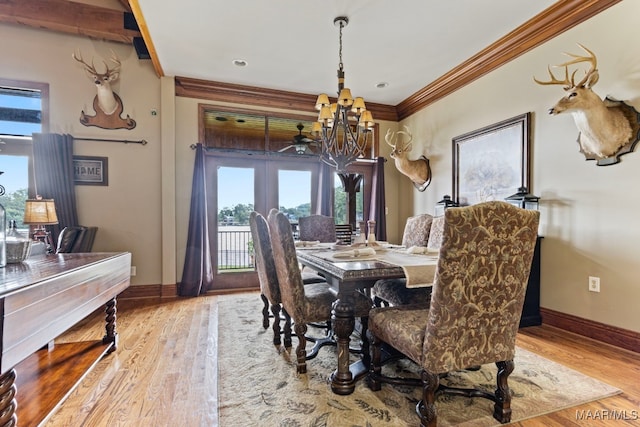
[
  {"x": 114, "y": 58},
  {"x": 90, "y": 68},
  {"x": 406, "y": 144},
  {"x": 569, "y": 83},
  {"x": 390, "y": 138}
]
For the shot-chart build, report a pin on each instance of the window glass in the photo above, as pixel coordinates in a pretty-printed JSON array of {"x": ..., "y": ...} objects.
[
  {"x": 294, "y": 193},
  {"x": 20, "y": 116},
  {"x": 20, "y": 111}
]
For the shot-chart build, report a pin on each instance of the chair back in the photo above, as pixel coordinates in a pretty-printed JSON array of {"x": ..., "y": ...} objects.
[
  {"x": 317, "y": 227},
  {"x": 416, "y": 230},
  {"x": 480, "y": 284},
  {"x": 435, "y": 234},
  {"x": 286, "y": 264},
  {"x": 73, "y": 239},
  {"x": 264, "y": 257}
]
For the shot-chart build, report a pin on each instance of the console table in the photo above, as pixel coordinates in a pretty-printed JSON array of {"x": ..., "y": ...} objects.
[{"x": 39, "y": 300}]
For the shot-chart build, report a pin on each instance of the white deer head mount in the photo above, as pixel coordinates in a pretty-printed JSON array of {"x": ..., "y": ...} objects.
[
  {"x": 418, "y": 171},
  {"x": 107, "y": 104},
  {"x": 608, "y": 128}
]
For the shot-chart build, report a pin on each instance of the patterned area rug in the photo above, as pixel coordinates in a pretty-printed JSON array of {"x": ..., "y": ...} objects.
[{"x": 258, "y": 384}]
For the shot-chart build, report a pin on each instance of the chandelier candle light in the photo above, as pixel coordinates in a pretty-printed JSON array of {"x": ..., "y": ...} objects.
[{"x": 342, "y": 141}]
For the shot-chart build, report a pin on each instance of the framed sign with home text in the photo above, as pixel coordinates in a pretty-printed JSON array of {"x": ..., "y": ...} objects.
[{"x": 89, "y": 170}]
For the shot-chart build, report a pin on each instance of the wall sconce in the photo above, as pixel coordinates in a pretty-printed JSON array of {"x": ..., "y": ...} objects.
[
  {"x": 523, "y": 199},
  {"x": 40, "y": 212},
  {"x": 443, "y": 205}
]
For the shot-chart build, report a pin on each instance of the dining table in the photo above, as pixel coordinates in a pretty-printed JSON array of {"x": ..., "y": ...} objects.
[{"x": 349, "y": 269}]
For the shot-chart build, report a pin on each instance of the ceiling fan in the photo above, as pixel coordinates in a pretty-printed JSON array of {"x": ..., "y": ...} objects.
[{"x": 301, "y": 143}]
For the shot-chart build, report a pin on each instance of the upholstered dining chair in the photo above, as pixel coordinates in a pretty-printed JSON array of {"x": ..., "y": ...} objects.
[
  {"x": 317, "y": 227},
  {"x": 417, "y": 230},
  {"x": 269, "y": 287},
  {"x": 304, "y": 303},
  {"x": 475, "y": 307}
]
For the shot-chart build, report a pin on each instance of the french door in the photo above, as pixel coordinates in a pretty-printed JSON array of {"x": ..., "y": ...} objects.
[{"x": 241, "y": 185}]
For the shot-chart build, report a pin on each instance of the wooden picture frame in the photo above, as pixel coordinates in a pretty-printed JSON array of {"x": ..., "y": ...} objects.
[
  {"x": 493, "y": 162},
  {"x": 90, "y": 170}
]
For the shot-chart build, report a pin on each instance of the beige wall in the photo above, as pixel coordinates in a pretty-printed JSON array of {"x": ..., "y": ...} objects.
[
  {"x": 127, "y": 211},
  {"x": 588, "y": 212}
]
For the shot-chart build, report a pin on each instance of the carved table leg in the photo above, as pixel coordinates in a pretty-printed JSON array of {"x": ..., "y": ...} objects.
[
  {"x": 111, "y": 336},
  {"x": 8, "y": 402},
  {"x": 343, "y": 322}
]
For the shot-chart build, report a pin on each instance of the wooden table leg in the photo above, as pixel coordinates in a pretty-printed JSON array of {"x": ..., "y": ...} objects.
[
  {"x": 343, "y": 322},
  {"x": 111, "y": 335},
  {"x": 8, "y": 402}
]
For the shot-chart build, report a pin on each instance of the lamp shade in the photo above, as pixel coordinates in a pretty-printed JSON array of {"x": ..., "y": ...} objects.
[{"x": 40, "y": 212}]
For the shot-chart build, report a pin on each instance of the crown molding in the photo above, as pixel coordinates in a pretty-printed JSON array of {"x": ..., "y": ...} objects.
[
  {"x": 551, "y": 22},
  {"x": 252, "y": 95}
]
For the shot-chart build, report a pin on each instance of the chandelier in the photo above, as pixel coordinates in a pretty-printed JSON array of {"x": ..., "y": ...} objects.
[{"x": 344, "y": 127}]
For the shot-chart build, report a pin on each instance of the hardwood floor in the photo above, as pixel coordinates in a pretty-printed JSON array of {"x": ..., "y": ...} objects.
[{"x": 164, "y": 371}]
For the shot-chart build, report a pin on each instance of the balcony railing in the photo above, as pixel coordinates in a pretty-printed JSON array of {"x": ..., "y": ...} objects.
[{"x": 235, "y": 248}]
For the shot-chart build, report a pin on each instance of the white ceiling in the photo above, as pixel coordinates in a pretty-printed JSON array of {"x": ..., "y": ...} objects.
[{"x": 292, "y": 45}]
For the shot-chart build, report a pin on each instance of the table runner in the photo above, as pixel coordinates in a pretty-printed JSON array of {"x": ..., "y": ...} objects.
[{"x": 419, "y": 270}]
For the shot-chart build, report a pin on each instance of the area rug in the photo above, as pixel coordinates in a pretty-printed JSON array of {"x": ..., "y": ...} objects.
[{"x": 258, "y": 384}]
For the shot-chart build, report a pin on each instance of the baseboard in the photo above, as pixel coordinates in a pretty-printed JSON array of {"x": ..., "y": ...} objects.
[
  {"x": 613, "y": 335},
  {"x": 171, "y": 291},
  {"x": 149, "y": 291}
]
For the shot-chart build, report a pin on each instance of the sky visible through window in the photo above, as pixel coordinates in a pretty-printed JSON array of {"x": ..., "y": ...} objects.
[
  {"x": 14, "y": 177},
  {"x": 239, "y": 182}
]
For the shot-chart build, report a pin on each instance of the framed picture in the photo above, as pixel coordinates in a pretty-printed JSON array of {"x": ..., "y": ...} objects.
[
  {"x": 493, "y": 162},
  {"x": 88, "y": 170}
]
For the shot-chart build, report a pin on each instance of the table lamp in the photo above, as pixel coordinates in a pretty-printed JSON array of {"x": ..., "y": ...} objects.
[{"x": 40, "y": 212}]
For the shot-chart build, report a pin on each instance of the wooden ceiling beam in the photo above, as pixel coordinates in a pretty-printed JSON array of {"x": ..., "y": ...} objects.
[{"x": 68, "y": 17}]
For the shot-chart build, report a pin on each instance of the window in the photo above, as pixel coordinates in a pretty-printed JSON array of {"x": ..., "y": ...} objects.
[{"x": 23, "y": 111}]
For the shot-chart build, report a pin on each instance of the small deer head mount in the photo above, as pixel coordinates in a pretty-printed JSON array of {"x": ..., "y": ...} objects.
[
  {"x": 418, "y": 171},
  {"x": 107, "y": 104},
  {"x": 608, "y": 128}
]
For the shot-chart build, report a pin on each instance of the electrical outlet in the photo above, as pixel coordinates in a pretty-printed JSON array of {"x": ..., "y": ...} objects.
[
  {"x": 133, "y": 270},
  {"x": 594, "y": 284}
]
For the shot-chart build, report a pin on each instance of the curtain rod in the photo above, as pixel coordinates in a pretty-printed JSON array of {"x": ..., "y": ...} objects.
[{"x": 124, "y": 141}]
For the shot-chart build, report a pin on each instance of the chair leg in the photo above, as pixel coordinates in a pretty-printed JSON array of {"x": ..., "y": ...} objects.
[
  {"x": 502, "y": 407},
  {"x": 301, "y": 351},
  {"x": 275, "y": 309},
  {"x": 426, "y": 408},
  {"x": 366, "y": 354},
  {"x": 265, "y": 311},
  {"x": 375, "y": 366},
  {"x": 287, "y": 328}
]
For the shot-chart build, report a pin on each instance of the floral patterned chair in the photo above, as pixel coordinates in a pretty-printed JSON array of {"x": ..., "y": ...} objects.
[
  {"x": 417, "y": 232},
  {"x": 304, "y": 303},
  {"x": 317, "y": 227},
  {"x": 475, "y": 308},
  {"x": 269, "y": 287}
]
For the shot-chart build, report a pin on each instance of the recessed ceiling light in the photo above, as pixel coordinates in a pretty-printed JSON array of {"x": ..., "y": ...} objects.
[
  {"x": 382, "y": 85},
  {"x": 221, "y": 119},
  {"x": 240, "y": 63}
]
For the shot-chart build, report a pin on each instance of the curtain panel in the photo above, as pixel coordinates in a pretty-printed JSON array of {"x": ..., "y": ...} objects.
[
  {"x": 198, "y": 272},
  {"x": 53, "y": 169}
]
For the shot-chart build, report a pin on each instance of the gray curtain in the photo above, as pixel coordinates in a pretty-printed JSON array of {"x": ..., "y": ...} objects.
[
  {"x": 323, "y": 204},
  {"x": 197, "y": 276},
  {"x": 378, "y": 202},
  {"x": 53, "y": 167}
]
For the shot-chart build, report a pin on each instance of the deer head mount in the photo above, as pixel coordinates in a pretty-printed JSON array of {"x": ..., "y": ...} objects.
[
  {"x": 608, "y": 128},
  {"x": 107, "y": 104},
  {"x": 418, "y": 171}
]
